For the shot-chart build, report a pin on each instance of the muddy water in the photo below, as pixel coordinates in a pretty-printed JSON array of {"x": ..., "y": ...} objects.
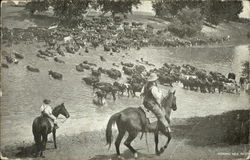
[{"x": 24, "y": 91}]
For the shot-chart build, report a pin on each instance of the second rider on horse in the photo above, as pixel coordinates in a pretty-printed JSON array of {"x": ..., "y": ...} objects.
[
  {"x": 152, "y": 100},
  {"x": 46, "y": 110}
]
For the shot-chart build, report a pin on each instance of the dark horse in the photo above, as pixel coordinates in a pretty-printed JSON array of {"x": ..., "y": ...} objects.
[
  {"x": 133, "y": 120},
  {"x": 41, "y": 127}
]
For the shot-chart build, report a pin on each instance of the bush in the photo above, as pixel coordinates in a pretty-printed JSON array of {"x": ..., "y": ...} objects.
[
  {"x": 117, "y": 6},
  {"x": 188, "y": 22},
  {"x": 70, "y": 12},
  {"x": 40, "y": 6}
]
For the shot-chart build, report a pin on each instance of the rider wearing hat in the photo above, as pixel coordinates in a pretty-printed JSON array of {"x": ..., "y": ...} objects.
[
  {"x": 46, "y": 110},
  {"x": 152, "y": 99}
]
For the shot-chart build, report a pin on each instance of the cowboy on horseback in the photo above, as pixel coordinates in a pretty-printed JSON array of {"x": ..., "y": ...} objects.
[
  {"x": 46, "y": 111},
  {"x": 152, "y": 100}
]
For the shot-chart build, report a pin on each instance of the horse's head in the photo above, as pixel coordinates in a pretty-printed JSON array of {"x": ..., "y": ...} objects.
[
  {"x": 61, "y": 110},
  {"x": 170, "y": 101}
]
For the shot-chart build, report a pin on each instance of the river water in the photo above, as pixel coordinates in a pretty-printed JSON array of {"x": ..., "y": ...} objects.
[{"x": 24, "y": 91}]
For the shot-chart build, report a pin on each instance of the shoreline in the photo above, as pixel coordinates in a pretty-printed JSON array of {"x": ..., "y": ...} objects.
[{"x": 192, "y": 133}]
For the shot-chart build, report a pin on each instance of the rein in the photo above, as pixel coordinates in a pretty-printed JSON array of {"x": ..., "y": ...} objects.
[{"x": 63, "y": 120}]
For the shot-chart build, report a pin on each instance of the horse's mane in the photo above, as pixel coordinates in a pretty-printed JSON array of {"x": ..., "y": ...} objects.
[
  {"x": 60, "y": 105},
  {"x": 57, "y": 108}
]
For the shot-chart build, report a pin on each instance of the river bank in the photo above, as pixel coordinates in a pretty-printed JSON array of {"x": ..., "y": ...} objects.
[{"x": 222, "y": 136}]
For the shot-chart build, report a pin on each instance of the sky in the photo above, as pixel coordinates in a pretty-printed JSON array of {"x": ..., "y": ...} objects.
[
  {"x": 246, "y": 9},
  {"x": 146, "y": 6}
]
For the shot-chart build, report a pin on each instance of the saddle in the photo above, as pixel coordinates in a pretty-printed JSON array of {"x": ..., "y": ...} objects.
[
  {"x": 50, "y": 121},
  {"x": 147, "y": 117}
]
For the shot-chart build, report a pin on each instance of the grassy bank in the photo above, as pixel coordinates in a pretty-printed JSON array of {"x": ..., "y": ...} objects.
[{"x": 224, "y": 131}]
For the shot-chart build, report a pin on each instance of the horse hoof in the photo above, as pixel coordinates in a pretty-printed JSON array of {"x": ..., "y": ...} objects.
[
  {"x": 161, "y": 150},
  {"x": 135, "y": 155},
  {"x": 157, "y": 153},
  {"x": 120, "y": 157}
]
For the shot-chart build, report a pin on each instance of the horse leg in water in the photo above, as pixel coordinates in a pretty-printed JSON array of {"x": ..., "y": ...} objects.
[
  {"x": 113, "y": 94},
  {"x": 134, "y": 93},
  {"x": 54, "y": 137},
  {"x": 132, "y": 135},
  {"x": 119, "y": 138}
]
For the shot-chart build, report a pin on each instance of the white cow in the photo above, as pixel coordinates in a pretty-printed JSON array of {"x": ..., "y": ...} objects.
[
  {"x": 53, "y": 27},
  {"x": 68, "y": 39},
  {"x": 231, "y": 87}
]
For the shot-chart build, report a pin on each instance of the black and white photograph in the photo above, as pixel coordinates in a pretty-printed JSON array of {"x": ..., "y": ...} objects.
[{"x": 125, "y": 80}]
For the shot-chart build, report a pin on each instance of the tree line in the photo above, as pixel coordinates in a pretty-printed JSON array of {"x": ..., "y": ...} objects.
[
  {"x": 214, "y": 11},
  {"x": 71, "y": 11},
  {"x": 187, "y": 16}
]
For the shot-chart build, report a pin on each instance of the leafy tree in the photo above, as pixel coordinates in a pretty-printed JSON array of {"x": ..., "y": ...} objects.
[
  {"x": 187, "y": 22},
  {"x": 215, "y": 11},
  {"x": 165, "y": 8},
  {"x": 70, "y": 12},
  {"x": 37, "y": 5},
  {"x": 117, "y": 6},
  {"x": 246, "y": 69}
]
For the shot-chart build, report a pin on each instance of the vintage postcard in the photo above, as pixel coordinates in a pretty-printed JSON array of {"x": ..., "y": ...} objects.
[{"x": 125, "y": 79}]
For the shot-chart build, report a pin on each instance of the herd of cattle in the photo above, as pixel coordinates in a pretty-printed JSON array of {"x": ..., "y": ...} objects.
[
  {"x": 191, "y": 78},
  {"x": 112, "y": 34}
]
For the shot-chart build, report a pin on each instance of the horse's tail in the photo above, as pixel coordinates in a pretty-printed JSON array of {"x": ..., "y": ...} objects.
[
  {"x": 38, "y": 138},
  {"x": 37, "y": 135},
  {"x": 111, "y": 121}
]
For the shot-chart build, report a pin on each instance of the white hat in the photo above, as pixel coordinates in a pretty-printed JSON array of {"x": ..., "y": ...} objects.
[{"x": 152, "y": 77}]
